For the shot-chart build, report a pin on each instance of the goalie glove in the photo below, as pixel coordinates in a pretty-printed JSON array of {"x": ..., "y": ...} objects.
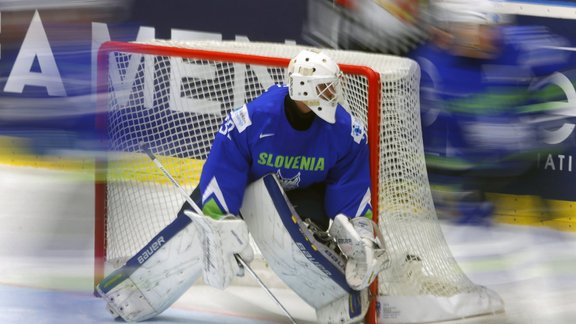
[
  {"x": 222, "y": 240},
  {"x": 366, "y": 255}
]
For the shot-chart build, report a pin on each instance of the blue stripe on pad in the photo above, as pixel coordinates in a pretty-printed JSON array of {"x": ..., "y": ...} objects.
[
  {"x": 315, "y": 256},
  {"x": 144, "y": 254}
]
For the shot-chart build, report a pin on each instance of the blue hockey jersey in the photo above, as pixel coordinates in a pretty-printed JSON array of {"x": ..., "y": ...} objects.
[
  {"x": 478, "y": 114},
  {"x": 257, "y": 139}
]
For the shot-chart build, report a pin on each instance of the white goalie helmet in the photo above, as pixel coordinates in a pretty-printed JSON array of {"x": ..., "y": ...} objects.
[{"x": 314, "y": 78}]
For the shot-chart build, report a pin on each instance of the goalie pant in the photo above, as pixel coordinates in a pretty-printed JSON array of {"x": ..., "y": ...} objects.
[{"x": 161, "y": 272}]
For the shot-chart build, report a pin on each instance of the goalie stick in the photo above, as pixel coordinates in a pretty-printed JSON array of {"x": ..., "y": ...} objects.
[{"x": 241, "y": 263}]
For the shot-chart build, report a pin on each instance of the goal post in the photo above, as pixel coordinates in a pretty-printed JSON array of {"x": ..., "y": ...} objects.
[{"x": 174, "y": 95}]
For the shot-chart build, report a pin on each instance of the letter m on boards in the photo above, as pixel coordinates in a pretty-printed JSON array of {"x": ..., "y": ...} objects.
[{"x": 134, "y": 75}]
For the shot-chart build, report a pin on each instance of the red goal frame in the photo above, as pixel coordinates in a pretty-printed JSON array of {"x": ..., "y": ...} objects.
[{"x": 373, "y": 129}]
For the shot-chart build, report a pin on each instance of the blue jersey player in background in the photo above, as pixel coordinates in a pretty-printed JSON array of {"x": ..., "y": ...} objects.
[{"x": 483, "y": 120}]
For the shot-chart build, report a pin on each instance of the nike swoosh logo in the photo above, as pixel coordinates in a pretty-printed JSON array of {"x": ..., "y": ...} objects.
[{"x": 266, "y": 135}]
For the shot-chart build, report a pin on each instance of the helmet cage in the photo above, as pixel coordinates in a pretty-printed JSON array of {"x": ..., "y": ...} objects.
[
  {"x": 319, "y": 93},
  {"x": 312, "y": 88}
]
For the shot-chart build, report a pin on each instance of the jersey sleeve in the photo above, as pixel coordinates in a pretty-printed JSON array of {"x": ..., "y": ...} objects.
[
  {"x": 348, "y": 185},
  {"x": 225, "y": 173}
]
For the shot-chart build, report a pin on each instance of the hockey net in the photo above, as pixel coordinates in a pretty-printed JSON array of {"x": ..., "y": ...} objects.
[{"x": 173, "y": 96}]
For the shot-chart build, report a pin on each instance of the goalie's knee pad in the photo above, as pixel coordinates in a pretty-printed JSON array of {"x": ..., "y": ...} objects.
[
  {"x": 154, "y": 278},
  {"x": 312, "y": 269}
]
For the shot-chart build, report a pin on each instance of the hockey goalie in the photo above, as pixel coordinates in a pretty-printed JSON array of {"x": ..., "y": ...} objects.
[{"x": 291, "y": 168}]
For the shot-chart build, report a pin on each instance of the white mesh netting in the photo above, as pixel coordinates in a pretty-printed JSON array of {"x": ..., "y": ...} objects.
[{"x": 169, "y": 98}]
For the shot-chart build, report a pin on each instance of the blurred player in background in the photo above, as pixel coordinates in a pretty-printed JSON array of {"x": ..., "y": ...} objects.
[{"x": 480, "y": 120}]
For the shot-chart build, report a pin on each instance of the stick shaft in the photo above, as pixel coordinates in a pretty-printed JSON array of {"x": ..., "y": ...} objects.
[
  {"x": 263, "y": 285},
  {"x": 152, "y": 157}
]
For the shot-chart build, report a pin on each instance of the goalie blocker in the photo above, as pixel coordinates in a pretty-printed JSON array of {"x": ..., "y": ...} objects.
[{"x": 315, "y": 270}]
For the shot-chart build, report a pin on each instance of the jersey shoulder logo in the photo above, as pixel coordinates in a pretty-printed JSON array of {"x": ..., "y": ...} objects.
[
  {"x": 241, "y": 118},
  {"x": 357, "y": 132}
]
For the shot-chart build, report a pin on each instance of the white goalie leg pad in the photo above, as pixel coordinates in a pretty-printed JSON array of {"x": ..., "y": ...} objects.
[
  {"x": 154, "y": 278},
  {"x": 311, "y": 269},
  {"x": 221, "y": 240}
]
